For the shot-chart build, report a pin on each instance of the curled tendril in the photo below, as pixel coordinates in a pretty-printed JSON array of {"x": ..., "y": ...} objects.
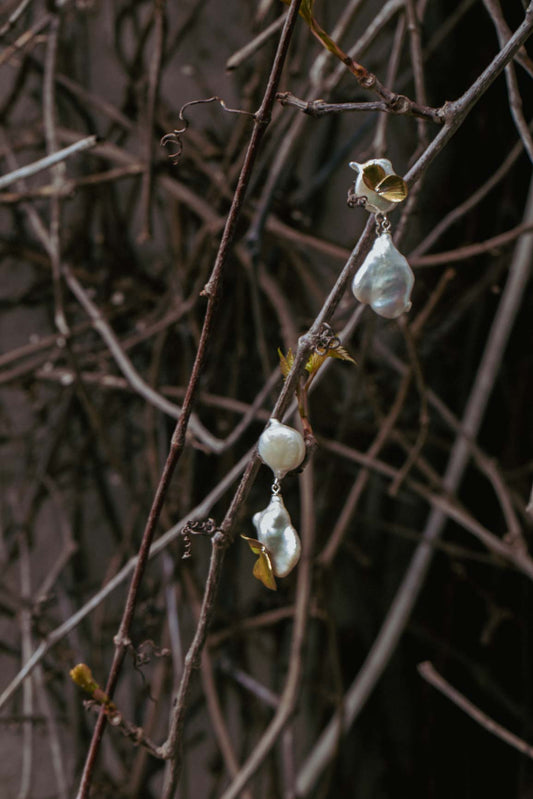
[
  {"x": 146, "y": 650},
  {"x": 207, "y": 527},
  {"x": 327, "y": 340},
  {"x": 175, "y": 136}
]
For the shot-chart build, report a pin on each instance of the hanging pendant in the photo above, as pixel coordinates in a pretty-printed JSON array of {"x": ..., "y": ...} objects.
[
  {"x": 276, "y": 533},
  {"x": 384, "y": 280},
  {"x": 277, "y": 546}
]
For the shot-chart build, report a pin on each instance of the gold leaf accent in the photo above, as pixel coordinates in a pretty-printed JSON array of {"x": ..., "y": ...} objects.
[
  {"x": 372, "y": 175},
  {"x": 262, "y": 570},
  {"x": 392, "y": 188}
]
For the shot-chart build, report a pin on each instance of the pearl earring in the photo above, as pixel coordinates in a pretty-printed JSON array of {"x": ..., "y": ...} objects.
[
  {"x": 384, "y": 280},
  {"x": 278, "y": 545}
]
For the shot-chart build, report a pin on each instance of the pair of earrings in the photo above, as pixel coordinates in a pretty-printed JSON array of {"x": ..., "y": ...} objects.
[
  {"x": 384, "y": 280},
  {"x": 278, "y": 545}
]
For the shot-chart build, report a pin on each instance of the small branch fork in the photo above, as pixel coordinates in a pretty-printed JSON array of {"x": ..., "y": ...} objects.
[{"x": 393, "y": 102}]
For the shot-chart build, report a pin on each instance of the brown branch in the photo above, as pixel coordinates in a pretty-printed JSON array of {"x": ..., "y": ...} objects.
[
  {"x": 212, "y": 291},
  {"x": 380, "y": 140},
  {"x": 471, "y": 202},
  {"x": 471, "y": 250},
  {"x": 319, "y": 108},
  {"x": 154, "y": 76},
  {"x": 415, "y": 46},
  {"x": 431, "y": 675},
  {"x": 457, "y": 111}
]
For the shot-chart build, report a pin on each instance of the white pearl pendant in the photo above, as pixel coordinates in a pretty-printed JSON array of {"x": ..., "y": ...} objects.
[
  {"x": 275, "y": 531},
  {"x": 384, "y": 280},
  {"x": 281, "y": 447}
]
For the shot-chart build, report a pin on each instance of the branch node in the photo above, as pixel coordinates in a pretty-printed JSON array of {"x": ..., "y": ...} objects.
[
  {"x": 368, "y": 81},
  {"x": 122, "y": 641}
]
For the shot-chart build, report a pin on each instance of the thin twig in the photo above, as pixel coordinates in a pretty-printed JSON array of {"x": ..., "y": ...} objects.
[
  {"x": 154, "y": 76},
  {"x": 415, "y": 46},
  {"x": 457, "y": 111},
  {"x": 53, "y": 736},
  {"x": 26, "y": 770},
  {"x": 255, "y": 44},
  {"x": 471, "y": 250},
  {"x": 212, "y": 291},
  {"x": 127, "y": 368},
  {"x": 380, "y": 138},
  {"x": 513, "y": 92},
  {"x": 431, "y": 675},
  {"x": 470, "y": 203},
  {"x": 56, "y": 635},
  {"x": 48, "y": 161}
]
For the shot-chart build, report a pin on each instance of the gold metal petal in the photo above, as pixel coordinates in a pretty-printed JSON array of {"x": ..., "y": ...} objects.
[
  {"x": 372, "y": 175},
  {"x": 392, "y": 188},
  {"x": 262, "y": 570}
]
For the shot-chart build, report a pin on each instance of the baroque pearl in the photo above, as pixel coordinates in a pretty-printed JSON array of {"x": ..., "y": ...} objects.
[
  {"x": 281, "y": 447},
  {"x": 275, "y": 531},
  {"x": 375, "y": 204},
  {"x": 384, "y": 280}
]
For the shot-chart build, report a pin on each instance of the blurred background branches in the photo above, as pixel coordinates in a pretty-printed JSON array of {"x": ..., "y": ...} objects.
[{"x": 413, "y": 508}]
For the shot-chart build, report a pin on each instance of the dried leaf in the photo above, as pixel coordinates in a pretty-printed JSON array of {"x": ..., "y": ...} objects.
[
  {"x": 285, "y": 362},
  {"x": 262, "y": 570},
  {"x": 372, "y": 175},
  {"x": 392, "y": 188}
]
